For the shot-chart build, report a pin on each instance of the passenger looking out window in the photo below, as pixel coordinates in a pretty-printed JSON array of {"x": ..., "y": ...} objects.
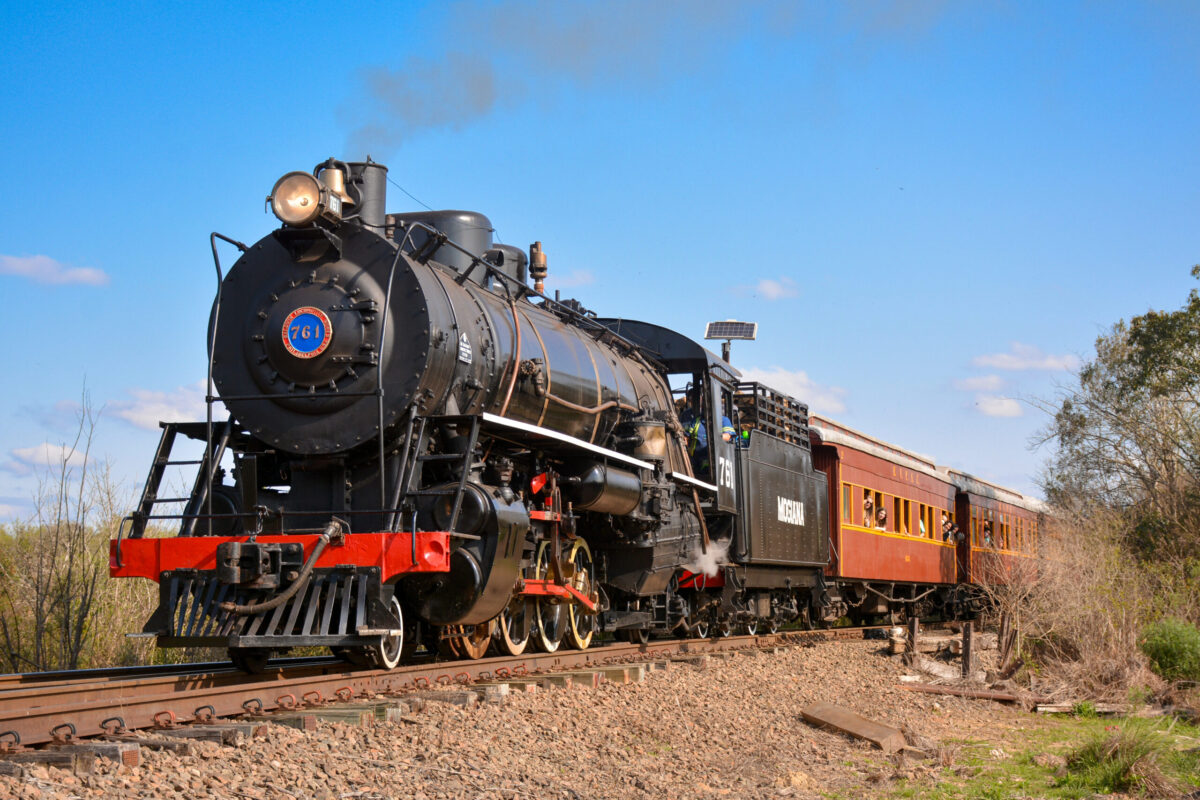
[{"x": 950, "y": 531}]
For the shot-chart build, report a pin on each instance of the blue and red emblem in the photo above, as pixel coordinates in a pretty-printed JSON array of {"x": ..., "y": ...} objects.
[{"x": 307, "y": 332}]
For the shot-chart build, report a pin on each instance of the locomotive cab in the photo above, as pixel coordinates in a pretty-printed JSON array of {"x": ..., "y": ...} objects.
[{"x": 766, "y": 509}]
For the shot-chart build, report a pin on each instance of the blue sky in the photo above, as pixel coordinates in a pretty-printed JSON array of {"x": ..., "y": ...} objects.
[{"x": 931, "y": 209}]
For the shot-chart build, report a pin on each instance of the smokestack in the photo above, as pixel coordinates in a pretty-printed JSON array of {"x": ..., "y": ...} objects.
[{"x": 371, "y": 181}]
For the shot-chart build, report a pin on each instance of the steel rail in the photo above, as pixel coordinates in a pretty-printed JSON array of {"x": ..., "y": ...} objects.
[
  {"x": 16, "y": 680},
  {"x": 210, "y": 691}
]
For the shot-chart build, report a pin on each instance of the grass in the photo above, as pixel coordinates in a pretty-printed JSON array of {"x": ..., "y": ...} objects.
[
  {"x": 1142, "y": 758},
  {"x": 1085, "y": 709},
  {"x": 1132, "y": 757}
]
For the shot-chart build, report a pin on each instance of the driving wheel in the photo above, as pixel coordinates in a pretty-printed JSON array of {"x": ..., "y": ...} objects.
[
  {"x": 581, "y": 622},
  {"x": 512, "y": 628},
  {"x": 551, "y": 616}
]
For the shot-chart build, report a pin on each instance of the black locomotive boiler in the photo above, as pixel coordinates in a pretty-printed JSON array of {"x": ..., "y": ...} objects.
[{"x": 422, "y": 447}]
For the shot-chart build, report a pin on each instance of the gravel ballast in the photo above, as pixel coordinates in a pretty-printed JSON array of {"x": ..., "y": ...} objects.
[{"x": 726, "y": 728}]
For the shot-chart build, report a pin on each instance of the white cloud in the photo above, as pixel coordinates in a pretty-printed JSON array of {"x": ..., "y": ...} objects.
[
  {"x": 1026, "y": 356},
  {"x": 771, "y": 289},
  {"x": 148, "y": 407},
  {"x": 576, "y": 277},
  {"x": 821, "y": 399},
  {"x": 980, "y": 383},
  {"x": 992, "y": 405},
  {"x": 10, "y": 511},
  {"x": 44, "y": 269},
  {"x": 26, "y": 459}
]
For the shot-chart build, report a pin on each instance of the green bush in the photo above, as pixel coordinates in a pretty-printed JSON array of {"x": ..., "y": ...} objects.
[{"x": 1173, "y": 647}]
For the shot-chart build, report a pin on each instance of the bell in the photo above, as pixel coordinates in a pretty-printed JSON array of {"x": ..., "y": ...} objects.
[{"x": 334, "y": 180}]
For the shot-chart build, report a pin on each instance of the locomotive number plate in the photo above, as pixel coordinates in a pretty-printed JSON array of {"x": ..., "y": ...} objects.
[{"x": 306, "y": 332}]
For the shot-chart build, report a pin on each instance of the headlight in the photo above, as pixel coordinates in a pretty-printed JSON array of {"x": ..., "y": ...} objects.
[{"x": 296, "y": 198}]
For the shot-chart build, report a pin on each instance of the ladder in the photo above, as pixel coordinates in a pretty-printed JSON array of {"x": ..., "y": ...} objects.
[
  {"x": 412, "y": 472},
  {"x": 205, "y": 473}
]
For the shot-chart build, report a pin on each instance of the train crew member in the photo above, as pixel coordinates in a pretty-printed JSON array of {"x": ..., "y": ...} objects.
[{"x": 697, "y": 435}]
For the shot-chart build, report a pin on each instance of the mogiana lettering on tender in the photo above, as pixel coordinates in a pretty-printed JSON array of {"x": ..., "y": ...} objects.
[{"x": 791, "y": 511}]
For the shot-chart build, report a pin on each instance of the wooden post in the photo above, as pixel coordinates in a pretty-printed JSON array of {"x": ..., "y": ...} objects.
[
  {"x": 1003, "y": 638},
  {"x": 968, "y": 649},
  {"x": 914, "y": 629}
]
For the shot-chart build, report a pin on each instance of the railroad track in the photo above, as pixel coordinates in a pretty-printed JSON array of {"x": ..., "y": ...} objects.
[
  {"x": 39, "y": 708},
  {"x": 17, "y": 680}
]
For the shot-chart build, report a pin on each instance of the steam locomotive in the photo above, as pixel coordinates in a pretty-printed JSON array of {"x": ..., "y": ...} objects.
[{"x": 423, "y": 448}]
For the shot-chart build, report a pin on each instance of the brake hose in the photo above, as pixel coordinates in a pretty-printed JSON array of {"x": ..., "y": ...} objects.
[{"x": 331, "y": 530}]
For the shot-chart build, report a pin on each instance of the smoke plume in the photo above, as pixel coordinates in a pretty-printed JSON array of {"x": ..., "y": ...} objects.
[{"x": 499, "y": 54}]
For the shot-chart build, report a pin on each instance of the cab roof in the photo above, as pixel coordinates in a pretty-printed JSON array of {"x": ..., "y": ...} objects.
[{"x": 673, "y": 350}]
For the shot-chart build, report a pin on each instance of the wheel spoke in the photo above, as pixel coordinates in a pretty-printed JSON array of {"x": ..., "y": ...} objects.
[
  {"x": 551, "y": 617},
  {"x": 448, "y": 642},
  {"x": 582, "y": 625},
  {"x": 475, "y": 641}
]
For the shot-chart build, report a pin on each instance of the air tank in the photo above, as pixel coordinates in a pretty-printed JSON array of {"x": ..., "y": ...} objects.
[{"x": 603, "y": 489}]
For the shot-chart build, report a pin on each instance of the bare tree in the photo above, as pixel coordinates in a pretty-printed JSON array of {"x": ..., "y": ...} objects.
[{"x": 53, "y": 567}]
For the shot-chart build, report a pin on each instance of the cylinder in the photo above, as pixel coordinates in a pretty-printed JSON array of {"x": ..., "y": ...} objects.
[{"x": 603, "y": 489}]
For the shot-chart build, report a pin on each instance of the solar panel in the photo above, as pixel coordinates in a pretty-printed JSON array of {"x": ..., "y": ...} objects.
[{"x": 729, "y": 329}]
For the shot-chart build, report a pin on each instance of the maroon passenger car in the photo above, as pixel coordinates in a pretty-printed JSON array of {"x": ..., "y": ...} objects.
[{"x": 905, "y": 530}]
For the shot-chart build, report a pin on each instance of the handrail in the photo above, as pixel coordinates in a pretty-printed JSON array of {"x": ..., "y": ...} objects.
[
  {"x": 212, "y": 340},
  {"x": 383, "y": 318}
]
